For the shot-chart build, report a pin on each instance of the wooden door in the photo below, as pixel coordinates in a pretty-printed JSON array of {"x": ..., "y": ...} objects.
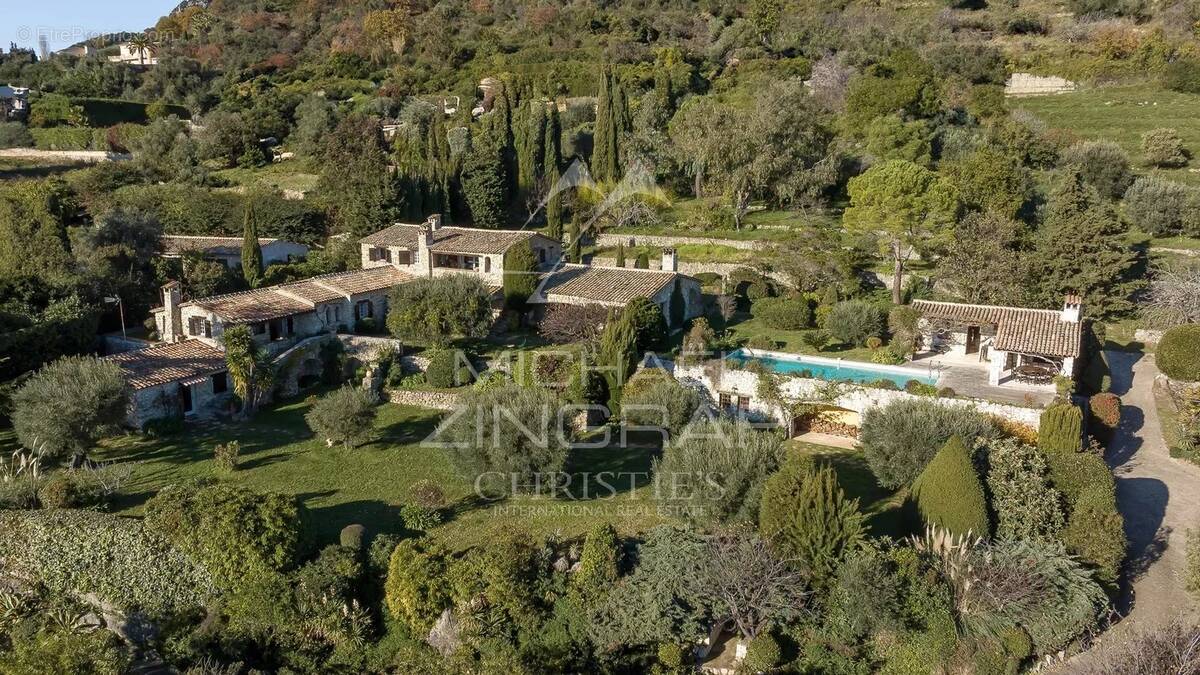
[{"x": 972, "y": 339}]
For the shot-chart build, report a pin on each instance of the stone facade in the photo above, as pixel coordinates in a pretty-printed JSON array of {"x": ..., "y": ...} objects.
[
  {"x": 1028, "y": 84},
  {"x": 203, "y": 399}
]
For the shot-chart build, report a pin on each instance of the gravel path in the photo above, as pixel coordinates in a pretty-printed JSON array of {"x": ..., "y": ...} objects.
[{"x": 1159, "y": 498}]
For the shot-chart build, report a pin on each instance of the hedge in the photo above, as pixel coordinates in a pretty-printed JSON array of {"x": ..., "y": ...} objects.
[
  {"x": 1095, "y": 529},
  {"x": 31, "y": 347},
  {"x": 791, "y": 313},
  {"x": 64, "y": 138},
  {"x": 949, "y": 493},
  {"x": 1178, "y": 353},
  {"x": 77, "y": 552},
  {"x": 106, "y": 112},
  {"x": 1061, "y": 428}
]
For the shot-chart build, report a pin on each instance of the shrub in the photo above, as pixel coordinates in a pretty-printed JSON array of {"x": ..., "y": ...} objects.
[
  {"x": 1105, "y": 411},
  {"x": 783, "y": 313},
  {"x": 1183, "y": 74},
  {"x": 664, "y": 404},
  {"x": 806, "y": 517},
  {"x": 68, "y": 405},
  {"x": 427, "y": 494},
  {"x": 506, "y": 434},
  {"x": 854, "y": 321},
  {"x": 899, "y": 440},
  {"x": 950, "y": 495},
  {"x": 874, "y": 342},
  {"x": 417, "y": 590},
  {"x": 599, "y": 563},
  {"x": 73, "y": 553},
  {"x": 344, "y": 416},
  {"x": 237, "y": 534},
  {"x": 225, "y": 456},
  {"x": 648, "y": 323},
  {"x": 63, "y": 138},
  {"x": 946, "y": 392},
  {"x": 816, "y": 339},
  {"x": 741, "y": 456},
  {"x": 442, "y": 371},
  {"x": 352, "y": 535},
  {"x": 1102, "y": 164},
  {"x": 1178, "y": 353},
  {"x": 919, "y": 388},
  {"x": 14, "y": 135},
  {"x": 62, "y": 649},
  {"x": 1025, "y": 504},
  {"x": 1061, "y": 428},
  {"x": 1161, "y": 207},
  {"x": 420, "y": 518},
  {"x": 1095, "y": 529},
  {"x": 59, "y": 492},
  {"x": 762, "y": 654},
  {"x": 1164, "y": 148}
]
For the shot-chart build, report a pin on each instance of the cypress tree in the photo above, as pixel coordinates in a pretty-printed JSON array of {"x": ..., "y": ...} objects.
[
  {"x": 678, "y": 305},
  {"x": 575, "y": 245},
  {"x": 1061, "y": 428},
  {"x": 1082, "y": 247},
  {"x": 252, "y": 259},
  {"x": 604, "y": 139},
  {"x": 520, "y": 279},
  {"x": 531, "y": 153},
  {"x": 618, "y": 356},
  {"x": 807, "y": 518},
  {"x": 642, "y": 262},
  {"x": 501, "y": 134},
  {"x": 620, "y": 254},
  {"x": 551, "y": 165},
  {"x": 664, "y": 92},
  {"x": 949, "y": 493}
]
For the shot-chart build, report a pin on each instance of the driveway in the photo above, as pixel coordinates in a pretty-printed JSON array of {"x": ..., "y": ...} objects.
[{"x": 1159, "y": 498}]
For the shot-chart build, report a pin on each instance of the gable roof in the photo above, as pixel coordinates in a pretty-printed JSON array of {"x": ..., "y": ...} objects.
[
  {"x": 612, "y": 285},
  {"x": 1018, "y": 329},
  {"x": 451, "y": 239},
  {"x": 298, "y": 297},
  {"x": 183, "y": 243},
  {"x": 178, "y": 361}
]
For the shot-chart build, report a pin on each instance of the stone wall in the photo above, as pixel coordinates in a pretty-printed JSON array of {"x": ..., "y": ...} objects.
[
  {"x": 89, "y": 156},
  {"x": 435, "y": 400},
  {"x": 856, "y": 398},
  {"x": 612, "y": 239},
  {"x": 1028, "y": 84}
]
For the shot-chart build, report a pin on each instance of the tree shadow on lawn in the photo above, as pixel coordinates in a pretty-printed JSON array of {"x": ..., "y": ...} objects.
[
  {"x": 325, "y": 523},
  {"x": 883, "y": 508},
  {"x": 617, "y": 468},
  {"x": 406, "y": 431}
]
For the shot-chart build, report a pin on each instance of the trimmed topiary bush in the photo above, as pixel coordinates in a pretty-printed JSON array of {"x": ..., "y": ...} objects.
[
  {"x": 949, "y": 493},
  {"x": 1061, "y": 428},
  {"x": 1095, "y": 529},
  {"x": 1178, "y": 353},
  {"x": 442, "y": 371},
  {"x": 351, "y": 536},
  {"x": 60, "y": 492},
  {"x": 1105, "y": 415},
  {"x": 762, "y": 654}
]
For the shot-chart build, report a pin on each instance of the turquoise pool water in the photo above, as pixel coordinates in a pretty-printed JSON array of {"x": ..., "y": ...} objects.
[{"x": 836, "y": 371}]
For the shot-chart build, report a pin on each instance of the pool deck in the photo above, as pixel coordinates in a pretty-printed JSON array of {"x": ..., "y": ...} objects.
[{"x": 971, "y": 381}]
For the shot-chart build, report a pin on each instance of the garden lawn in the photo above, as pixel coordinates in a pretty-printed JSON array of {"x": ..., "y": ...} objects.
[
  {"x": 290, "y": 175},
  {"x": 1182, "y": 243},
  {"x": 368, "y": 484},
  {"x": 1122, "y": 114},
  {"x": 688, "y": 218},
  {"x": 693, "y": 253},
  {"x": 792, "y": 340},
  {"x": 882, "y": 507}
]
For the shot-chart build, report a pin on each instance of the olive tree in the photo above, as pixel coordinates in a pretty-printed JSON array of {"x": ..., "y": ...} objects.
[
  {"x": 69, "y": 405},
  {"x": 345, "y": 416}
]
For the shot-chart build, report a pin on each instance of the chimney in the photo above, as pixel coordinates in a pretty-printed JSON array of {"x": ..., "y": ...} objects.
[
  {"x": 172, "y": 329},
  {"x": 1072, "y": 309},
  {"x": 670, "y": 260},
  {"x": 435, "y": 221},
  {"x": 424, "y": 241}
]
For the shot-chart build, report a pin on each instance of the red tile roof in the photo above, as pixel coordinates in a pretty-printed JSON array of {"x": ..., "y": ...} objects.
[
  {"x": 181, "y": 243},
  {"x": 452, "y": 239},
  {"x": 1018, "y": 329},
  {"x": 179, "y": 361},
  {"x": 616, "y": 285}
]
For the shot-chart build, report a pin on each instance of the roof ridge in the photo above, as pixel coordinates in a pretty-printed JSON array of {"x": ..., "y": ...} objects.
[{"x": 972, "y": 304}]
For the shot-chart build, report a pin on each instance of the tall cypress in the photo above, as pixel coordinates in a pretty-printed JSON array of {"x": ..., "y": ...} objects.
[
  {"x": 604, "y": 140},
  {"x": 252, "y": 258},
  {"x": 551, "y": 166},
  {"x": 575, "y": 245},
  {"x": 664, "y": 92},
  {"x": 530, "y": 151}
]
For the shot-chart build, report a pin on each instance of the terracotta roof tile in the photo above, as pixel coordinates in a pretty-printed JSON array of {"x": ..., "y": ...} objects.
[
  {"x": 275, "y": 302},
  {"x": 616, "y": 285},
  {"x": 451, "y": 239},
  {"x": 172, "y": 362},
  {"x": 1018, "y": 329},
  {"x": 179, "y": 243}
]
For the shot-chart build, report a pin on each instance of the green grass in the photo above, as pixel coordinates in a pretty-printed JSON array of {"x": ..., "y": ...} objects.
[
  {"x": 881, "y": 506},
  {"x": 746, "y": 327},
  {"x": 368, "y": 484},
  {"x": 13, "y": 168},
  {"x": 290, "y": 175},
  {"x": 685, "y": 217},
  {"x": 1122, "y": 114},
  {"x": 1183, "y": 243}
]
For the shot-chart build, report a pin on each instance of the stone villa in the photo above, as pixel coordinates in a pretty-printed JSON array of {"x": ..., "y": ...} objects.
[
  {"x": 185, "y": 372},
  {"x": 228, "y": 250}
]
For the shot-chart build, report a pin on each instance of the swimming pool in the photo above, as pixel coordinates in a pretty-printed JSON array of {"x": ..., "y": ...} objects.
[{"x": 831, "y": 369}]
